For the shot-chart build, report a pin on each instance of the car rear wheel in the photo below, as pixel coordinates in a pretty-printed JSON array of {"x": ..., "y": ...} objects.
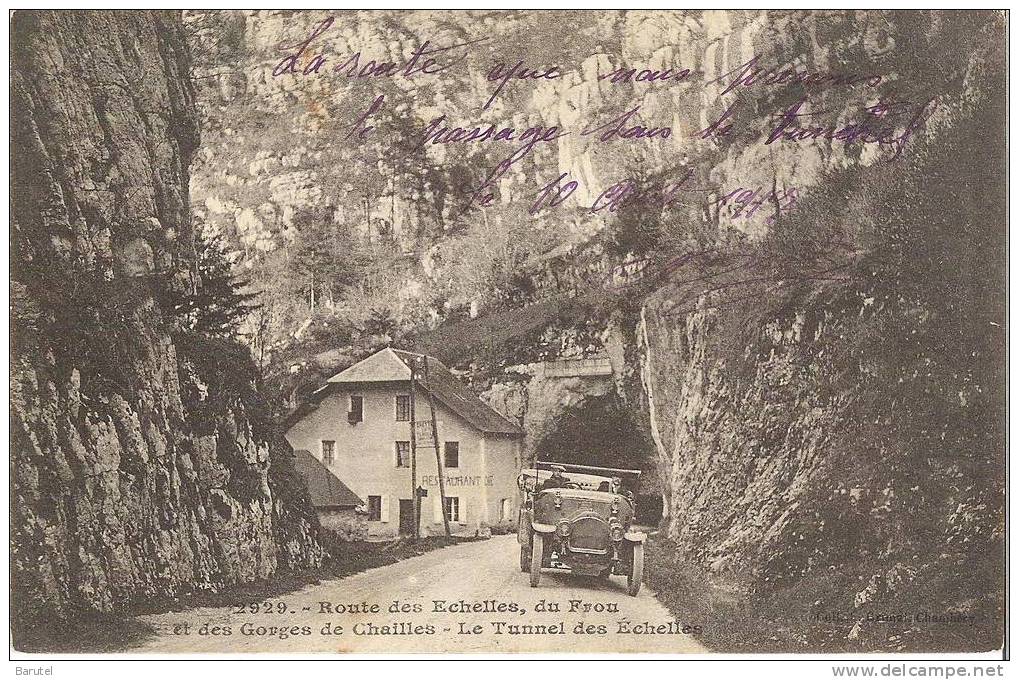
[
  {"x": 537, "y": 552},
  {"x": 525, "y": 559},
  {"x": 633, "y": 581}
]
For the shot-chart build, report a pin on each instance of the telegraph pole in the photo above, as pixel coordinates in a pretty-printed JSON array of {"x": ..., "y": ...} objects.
[
  {"x": 414, "y": 461},
  {"x": 438, "y": 454}
]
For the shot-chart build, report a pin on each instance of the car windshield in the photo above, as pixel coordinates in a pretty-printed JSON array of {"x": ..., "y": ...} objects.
[{"x": 532, "y": 479}]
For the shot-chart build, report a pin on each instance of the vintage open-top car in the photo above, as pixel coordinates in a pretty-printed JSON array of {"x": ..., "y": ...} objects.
[{"x": 579, "y": 517}]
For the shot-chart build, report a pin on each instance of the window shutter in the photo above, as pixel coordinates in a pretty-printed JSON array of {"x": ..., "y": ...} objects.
[
  {"x": 385, "y": 509},
  {"x": 463, "y": 509},
  {"x": 396, "y": 456},
  {"x": 438, "y": 508}
]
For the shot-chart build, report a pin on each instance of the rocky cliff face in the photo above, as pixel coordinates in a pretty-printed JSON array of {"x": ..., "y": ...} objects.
[
  {"x": 415, "y": 198},
  {"x": 829, "y": 426},
  {"x": 811, "y": 460},
  {"x": 140, "y": 465},
  {"x": 274, "y": 172}
]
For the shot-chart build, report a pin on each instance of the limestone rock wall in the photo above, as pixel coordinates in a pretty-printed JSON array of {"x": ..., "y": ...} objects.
[
  {"x": 416, "y": 198},
  {"x": 829, "y": 421},
  {"x": 138, "y": 471}
]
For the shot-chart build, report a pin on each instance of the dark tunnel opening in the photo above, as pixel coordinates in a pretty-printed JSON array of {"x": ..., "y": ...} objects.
[{"x": 601, "y": 431}]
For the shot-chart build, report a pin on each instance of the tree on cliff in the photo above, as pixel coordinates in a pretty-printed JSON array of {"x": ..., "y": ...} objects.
[{"x": 219, "y": 301}]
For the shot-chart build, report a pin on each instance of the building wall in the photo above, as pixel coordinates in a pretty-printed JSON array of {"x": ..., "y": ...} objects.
[
  {"x": 365, "y": 459},
  {"x": 503, "y": 457}
]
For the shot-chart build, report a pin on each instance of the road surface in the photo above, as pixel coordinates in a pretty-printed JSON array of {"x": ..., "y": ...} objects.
[{"x": 485, "y": 605}]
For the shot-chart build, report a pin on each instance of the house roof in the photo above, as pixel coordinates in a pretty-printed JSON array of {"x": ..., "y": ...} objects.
[
  {"x": 459, "y": 398},
  {"x": 389, "y": 365},
  {"x": 384, "y": 365},
  {"x": 325, "y": 488}
]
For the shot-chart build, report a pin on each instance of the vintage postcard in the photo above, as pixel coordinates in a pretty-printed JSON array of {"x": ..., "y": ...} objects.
[{"x": 508, "y": 332}]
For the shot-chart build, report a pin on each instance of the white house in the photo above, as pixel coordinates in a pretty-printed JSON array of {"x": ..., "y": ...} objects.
[{"x": 359, "y": 426}]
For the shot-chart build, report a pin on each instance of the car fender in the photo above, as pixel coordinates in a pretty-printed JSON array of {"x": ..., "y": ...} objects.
[
  {"x": 635, "y": 536},
  {"x": 543, "y": 528}
]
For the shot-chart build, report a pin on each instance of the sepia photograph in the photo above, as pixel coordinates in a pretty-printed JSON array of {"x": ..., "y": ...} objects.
[{"x": 542, "y": 333}]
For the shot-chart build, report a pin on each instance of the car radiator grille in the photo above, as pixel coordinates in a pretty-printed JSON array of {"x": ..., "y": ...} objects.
[{"x": 590, "y": 533}]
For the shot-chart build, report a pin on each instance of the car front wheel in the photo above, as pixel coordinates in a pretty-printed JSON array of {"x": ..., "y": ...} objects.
[
  {"x": 537, "y": 552},
  {"x": 633, "y": 581}
]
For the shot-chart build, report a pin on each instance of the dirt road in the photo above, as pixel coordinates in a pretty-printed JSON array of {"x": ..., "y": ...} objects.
[{"x": 468, "y": 598}]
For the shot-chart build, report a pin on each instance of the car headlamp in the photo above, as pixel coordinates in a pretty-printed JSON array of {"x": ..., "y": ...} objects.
[
  {"x": 616, "y": 531},
  {"x": 563, "y": 529}
]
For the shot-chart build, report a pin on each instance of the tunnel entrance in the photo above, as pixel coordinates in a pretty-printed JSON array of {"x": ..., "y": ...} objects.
[{"x": 601, "y": 431}]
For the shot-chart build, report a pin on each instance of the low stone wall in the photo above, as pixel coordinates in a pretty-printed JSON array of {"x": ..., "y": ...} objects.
[{"x": 345, "y": 523}]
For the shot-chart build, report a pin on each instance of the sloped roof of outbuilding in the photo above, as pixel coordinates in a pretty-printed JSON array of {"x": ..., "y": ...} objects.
[{"x": 325, "y": 488}]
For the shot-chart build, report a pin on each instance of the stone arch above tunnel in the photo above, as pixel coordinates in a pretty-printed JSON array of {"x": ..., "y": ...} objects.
[{"x": 535, "y": 398}]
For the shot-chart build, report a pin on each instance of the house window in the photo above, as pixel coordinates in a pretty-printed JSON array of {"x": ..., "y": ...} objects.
[
  {"x": 328, "y": 451},
  {"x": 451, "y": 459},
  {"x": 402, "y": 454},
  {"x": 374, "y": 508},
  {"x": 356, "y": 412},
  {"x": 402, "y": 407},
  {"x": 504, "y": 513},
  {"x": 452, "y": 507}
]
